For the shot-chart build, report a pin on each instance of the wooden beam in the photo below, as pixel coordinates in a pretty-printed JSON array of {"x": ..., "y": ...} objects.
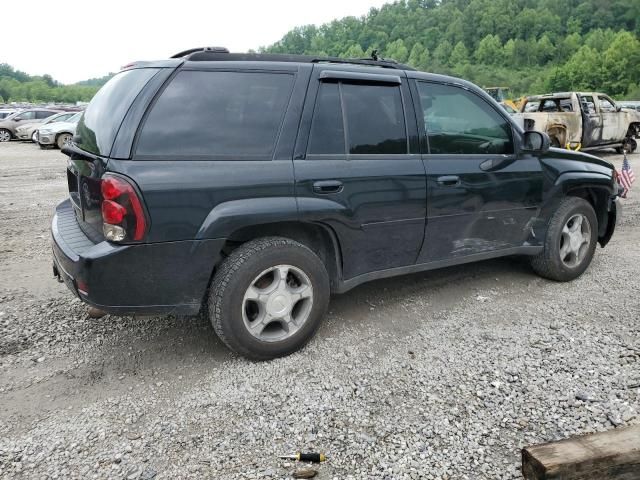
[{"x": 600, "y": 456}]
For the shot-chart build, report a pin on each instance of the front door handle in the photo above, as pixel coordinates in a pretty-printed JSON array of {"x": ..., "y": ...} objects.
[
  {"x": 449, "y": 181},
  {"x": 324, "y": 187}
]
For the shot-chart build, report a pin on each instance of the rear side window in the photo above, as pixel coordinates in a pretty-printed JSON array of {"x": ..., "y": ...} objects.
[
  {"x": 373, "y": 115},
  {"x": 459, "y": 122},
  {"x": 27, "y": 115},
  {"x": 101, "y": 120},
  {"x": 226, "y": 115},
  {"x": 41, "y": 115}
]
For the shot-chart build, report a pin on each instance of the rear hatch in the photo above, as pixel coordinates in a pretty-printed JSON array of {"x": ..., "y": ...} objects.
[{"x": 92, "y": 144}]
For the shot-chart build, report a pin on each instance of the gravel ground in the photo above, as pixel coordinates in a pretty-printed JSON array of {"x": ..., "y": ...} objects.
[{"x": 441, "y": 375}]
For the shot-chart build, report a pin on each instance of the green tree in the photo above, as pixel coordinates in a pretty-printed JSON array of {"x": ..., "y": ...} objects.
[
  {"x": 459, "y": 55},
  {"x": 489, "y": 51},
  {"x": 442, "y": 53},
  {"x": 419, "y": 57},
  {"x": 397, "y": 50}
]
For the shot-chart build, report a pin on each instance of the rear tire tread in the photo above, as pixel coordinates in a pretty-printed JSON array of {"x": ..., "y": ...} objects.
[{"x": 224, "y": 275}]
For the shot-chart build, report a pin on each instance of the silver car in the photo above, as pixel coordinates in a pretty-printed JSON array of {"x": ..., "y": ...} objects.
[
  {"x": 28, "y": 131},
  {"x": 57, "y": 134},
  {"x": 32, "y": 115}
]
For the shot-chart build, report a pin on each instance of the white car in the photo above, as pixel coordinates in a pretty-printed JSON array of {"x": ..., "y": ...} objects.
[
  {"x": 28, "y": 131},
  {"x": 57, "y": 134}
]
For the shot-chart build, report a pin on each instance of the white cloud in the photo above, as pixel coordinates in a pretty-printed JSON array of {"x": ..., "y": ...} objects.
[{"x": 88, "y": 38}]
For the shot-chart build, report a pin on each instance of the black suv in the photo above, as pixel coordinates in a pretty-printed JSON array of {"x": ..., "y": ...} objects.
[{"x": 250, "y": 187}]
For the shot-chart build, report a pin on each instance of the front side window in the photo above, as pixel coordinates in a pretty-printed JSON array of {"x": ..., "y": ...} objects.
[
  {"x": 373, "y": 115},
  {"x": 217, "y": 114},
  {"x": 605, "y": 105},
  {"x": 459, "y": 122}
]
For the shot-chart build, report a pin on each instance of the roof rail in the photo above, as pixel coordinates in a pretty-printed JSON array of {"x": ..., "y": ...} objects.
[
  {"x": 222, "y": 54},
  {"x": 200, "y": 49}
]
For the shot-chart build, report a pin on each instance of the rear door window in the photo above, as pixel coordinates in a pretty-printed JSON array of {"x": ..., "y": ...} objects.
[
  {"x": 375, "y": 119},
  {"x": 460, "y": 122},
  {"x": 327, "y": 127},
  {"x": 27, "y": 115},
  {"x": 373, "y": 115},
  {"x": 42, "y": 114},
  {"x": 217, "y": 115}
]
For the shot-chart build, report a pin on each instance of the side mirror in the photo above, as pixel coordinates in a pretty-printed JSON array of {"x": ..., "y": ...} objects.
[
  {"x": 538, "y": 142},
  {"x": 17, "y": 119}
]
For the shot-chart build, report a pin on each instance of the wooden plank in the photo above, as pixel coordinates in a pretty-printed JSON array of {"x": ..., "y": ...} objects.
[{"x": 600, "y": 456}]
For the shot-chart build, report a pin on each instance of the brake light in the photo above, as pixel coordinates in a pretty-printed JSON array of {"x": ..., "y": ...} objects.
[{"x": 122, "y": 212}]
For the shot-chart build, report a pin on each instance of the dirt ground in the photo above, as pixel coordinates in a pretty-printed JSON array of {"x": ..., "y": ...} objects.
[{"x": 444, "y": 374}]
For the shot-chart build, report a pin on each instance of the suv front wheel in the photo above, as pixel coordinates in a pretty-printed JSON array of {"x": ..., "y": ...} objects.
[
  {"x": 268, "y": 297},
  {"x": 570, "y": 242}
]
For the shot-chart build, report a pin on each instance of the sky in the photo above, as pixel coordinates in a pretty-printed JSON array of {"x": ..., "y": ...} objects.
[{"x": 88, "y": 38}]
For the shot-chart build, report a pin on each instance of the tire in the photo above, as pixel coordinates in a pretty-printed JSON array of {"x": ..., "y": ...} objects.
[
  {"x": 565, "y": 257},
  {"x": 5, "y": 135},
  {"x": 255, "y": 271},
  {"x": 629, "y": 146},
  {"x": 62, "y": 139},
  {"x": 34, "y": 136}
]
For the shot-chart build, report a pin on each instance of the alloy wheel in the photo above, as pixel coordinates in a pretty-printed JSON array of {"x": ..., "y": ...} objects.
[
  {"x": 575, "y": 240},
  {"x": 277, "y": 303}
]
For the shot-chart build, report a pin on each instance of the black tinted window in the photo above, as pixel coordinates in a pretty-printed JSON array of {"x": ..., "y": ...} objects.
[
  {"x": 222, "y": 114},
  {"x": 457, "y": 121},
  {"x": 327, "y": 128},
  {"x": 375, "y": 119},
  {"x": 41, "y": 115},
  {"x": 102, "y": 118}
]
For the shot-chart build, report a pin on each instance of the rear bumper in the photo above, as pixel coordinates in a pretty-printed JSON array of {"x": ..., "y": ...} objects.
[{"x": 157, "y": 278}]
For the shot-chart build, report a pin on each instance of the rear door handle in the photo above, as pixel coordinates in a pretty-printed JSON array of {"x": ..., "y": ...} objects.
[
  {"x": 324, "y": 187},
  {"x": 449, "y": 181}
]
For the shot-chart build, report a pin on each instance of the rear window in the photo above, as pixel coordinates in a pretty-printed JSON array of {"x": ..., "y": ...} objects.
[
  {"x": 217, "y": 115},
  {"x": 102, "y": 118}
]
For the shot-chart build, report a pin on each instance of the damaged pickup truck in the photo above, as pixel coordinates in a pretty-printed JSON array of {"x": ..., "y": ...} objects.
[{"x": 582, "y": 121}]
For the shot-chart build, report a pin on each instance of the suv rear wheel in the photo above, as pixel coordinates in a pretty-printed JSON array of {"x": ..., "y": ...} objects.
[
  {"x": 570, "y": 242},
  {"x": 268, "y": 298}
]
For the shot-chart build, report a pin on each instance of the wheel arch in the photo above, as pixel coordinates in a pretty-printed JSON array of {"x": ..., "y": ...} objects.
[
  {"x": 601, "y": 200},
  {"x": 320, "y": 238}
]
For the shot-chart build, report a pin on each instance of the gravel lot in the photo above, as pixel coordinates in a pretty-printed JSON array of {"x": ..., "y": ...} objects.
[{"x": 442, "y": 375}]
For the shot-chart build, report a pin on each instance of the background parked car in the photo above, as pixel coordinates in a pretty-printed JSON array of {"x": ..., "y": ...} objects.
[
  {"x": 58, "y": 133},
  {"x": 5, "y": 112},
  {"x": 630, "y": 104},
  {"x": 33, "y": 115},
  {"x": 28, "y": 131}
]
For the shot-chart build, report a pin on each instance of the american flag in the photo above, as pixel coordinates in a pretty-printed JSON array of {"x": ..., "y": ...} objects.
[{"x": 626, "y": 177}]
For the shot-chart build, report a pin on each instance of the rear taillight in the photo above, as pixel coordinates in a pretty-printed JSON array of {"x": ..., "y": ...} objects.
[{"x": 123, "y": 216}]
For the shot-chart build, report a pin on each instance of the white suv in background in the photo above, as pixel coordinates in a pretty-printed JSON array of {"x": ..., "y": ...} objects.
[{"x": 57, "y": 134}]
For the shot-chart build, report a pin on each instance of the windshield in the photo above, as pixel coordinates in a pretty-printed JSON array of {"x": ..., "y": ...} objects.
[
  {"x": 101, "y": 120},
  {"x": 75, "y": 118}
]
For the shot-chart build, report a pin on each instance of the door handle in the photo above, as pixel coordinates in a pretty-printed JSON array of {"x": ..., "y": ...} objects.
[
  {"x": 327, "y": 186},
  {"x": 449, "y": 181}
]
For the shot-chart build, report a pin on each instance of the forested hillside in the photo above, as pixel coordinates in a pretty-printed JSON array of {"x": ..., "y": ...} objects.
[
  {"x": 17, "y": 86},
  {"x": 533, "y": 46}
]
